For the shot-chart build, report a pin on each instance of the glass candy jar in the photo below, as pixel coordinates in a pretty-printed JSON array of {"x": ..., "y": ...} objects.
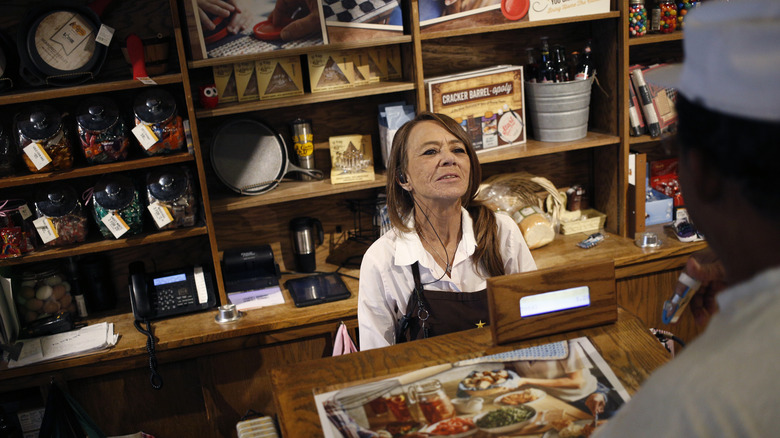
[
  {"x": 433, "y": 401},
  {"x": 172, "y": 188},
  {"x": 665, "y": 16},
  {"x": 115, "y": 197},
  {"x": 683, "y": 7},
  {"x": 637, "y": 18},
  {"x": 17, "y": 232},
  {"x": 43, "y": 140},
  {"x": 102, "y": 133},
  {"x": 44, "y": 291},
  {"x": 156, "y": 108},
  {"x": 61, "y": 206}
]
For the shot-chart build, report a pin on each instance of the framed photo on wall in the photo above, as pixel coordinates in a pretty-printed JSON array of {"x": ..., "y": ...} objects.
[{"x": 215, "y": 32}]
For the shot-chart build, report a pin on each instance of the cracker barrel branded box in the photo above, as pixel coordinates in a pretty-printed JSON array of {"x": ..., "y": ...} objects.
[
  {"x": 280, "y": 77},
  {"x": 488, "y": 104}
]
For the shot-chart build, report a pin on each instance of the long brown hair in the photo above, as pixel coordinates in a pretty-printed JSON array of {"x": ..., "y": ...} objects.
[{"x": 400, "y": 203}]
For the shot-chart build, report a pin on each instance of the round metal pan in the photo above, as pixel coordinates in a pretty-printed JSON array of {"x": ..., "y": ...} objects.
[
  {"x": 56, "y": 44},
  {"x": 251, "y": 158}
]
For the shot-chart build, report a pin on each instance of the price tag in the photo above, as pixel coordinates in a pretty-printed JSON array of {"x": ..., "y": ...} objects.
[
  {"x": 45, "y": 229},
  {"x": 115, "y": 224},
  {"x": 24, "y": 210},
  {"x": 145, "y": 136},
  {"x": 105, "y": 34},
  {"x": 146, "y": 80},
  {"x": 200, "y": 285},
  {"x": 160, "y": 214},
  {"x": 37, "y": 155}
]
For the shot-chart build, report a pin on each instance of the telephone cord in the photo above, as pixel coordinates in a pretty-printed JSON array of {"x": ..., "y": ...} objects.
[{"x": 155, "y": 379}]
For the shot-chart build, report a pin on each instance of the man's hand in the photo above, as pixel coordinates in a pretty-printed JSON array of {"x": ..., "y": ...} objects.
[
  {"x": 298, "y": 18},
  {"x": 705, "y": 267}
]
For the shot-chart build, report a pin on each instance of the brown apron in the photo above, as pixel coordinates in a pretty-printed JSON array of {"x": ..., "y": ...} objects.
[{"x": 432, "y": 313}]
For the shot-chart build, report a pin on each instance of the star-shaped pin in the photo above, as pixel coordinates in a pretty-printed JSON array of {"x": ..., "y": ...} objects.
[{"x": 480, "y": 324}]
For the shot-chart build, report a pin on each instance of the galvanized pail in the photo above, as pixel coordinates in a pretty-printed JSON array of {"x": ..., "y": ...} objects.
[{"x": 558, "y": 111}]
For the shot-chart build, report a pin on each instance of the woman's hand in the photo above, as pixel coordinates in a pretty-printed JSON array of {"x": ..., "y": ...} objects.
[{"x": 705, "y": 267}]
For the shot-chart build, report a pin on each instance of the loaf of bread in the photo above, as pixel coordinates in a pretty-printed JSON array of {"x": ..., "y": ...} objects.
[{"x": 536, "y": 228}]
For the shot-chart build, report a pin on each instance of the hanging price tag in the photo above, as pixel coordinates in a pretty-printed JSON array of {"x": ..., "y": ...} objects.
[
  {"x": 45, "y": 229},
  {"x": 115, "y": 224},
  {"x": 37, "y": 155},
  {"x": 145, "y": 136},
  {"x": 24, "y": 210},
  {"x": 160, "y": 214},
  {"x": 104, "y": 35}
]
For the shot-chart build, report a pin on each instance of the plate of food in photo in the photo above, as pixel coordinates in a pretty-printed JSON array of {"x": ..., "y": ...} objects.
[
  {"x": 505, "y": 419},
  {"x": 522, "y": 397},
  {"x": 568, "y": 428},
  {"x": 489, "y": 382},
  {"x": 455, "y": 427}
]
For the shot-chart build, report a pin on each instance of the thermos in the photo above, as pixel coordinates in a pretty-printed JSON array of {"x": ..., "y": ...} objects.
[{"x": 307, "y": 234}]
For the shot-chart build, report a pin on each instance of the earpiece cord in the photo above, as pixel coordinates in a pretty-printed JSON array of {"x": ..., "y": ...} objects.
[
  {"x": 155, "y": 379},
  {"x": 446, "y": 253}
]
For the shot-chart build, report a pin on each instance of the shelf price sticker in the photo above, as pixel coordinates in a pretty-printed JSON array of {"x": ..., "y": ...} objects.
[
  {"x": 115, "y": 224},
  {"x": 145, "y": 136},
  {"x": 160, "y": 214},
  {"x": 37, "y": 155},
  {"x": 45, "y": 229}
]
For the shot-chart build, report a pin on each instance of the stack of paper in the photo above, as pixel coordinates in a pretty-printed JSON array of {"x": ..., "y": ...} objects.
[{"x": 76, "y": 342}]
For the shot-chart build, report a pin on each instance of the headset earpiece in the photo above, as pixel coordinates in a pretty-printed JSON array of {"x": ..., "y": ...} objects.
[{"x": 401, "y": 178}]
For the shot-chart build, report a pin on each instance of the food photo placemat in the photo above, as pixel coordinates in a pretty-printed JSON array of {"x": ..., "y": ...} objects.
[{"x": 516, "y": 393}]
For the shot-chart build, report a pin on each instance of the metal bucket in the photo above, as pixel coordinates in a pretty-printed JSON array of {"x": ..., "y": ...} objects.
[{"x": 558, "y": 111}]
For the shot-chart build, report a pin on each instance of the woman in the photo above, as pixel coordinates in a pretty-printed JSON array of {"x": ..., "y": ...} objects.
[{"x": 443, "y": 244}]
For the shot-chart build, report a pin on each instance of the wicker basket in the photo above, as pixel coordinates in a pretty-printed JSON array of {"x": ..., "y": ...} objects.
[
  {"x": 589, "y": 222},
  {"x": 518, "y": 190}
]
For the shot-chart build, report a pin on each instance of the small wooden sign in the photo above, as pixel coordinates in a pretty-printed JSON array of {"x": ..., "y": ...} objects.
[{"x": 553, "y": 300}]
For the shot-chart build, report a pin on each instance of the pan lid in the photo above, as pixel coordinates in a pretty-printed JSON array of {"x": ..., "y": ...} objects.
[
  {"x": 97, "y": 113},
  {"x": 114, "y": 192},
  {"x": 154, "y": 105},
  {"x": 167, "y": 183},
  {"x": 248, "y": 156},
  {"x": 39, "y": 122}
]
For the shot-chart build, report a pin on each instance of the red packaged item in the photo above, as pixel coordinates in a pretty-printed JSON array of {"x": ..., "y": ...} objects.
[{"x": 17, "y": 232}]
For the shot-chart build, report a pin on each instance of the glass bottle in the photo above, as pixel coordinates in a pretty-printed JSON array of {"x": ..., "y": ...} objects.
[
  {"x": 586, "y": 67},
  {"x": 546, "y": 69},
  {"x": 637, "y": 18},
  {"x": 531, "y": 66},
  {"x": 561, "y": 69},
  {"x": 433, "y": 401}
]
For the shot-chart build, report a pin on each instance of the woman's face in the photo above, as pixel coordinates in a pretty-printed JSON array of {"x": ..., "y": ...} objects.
[{"x": 438, "y": 165}]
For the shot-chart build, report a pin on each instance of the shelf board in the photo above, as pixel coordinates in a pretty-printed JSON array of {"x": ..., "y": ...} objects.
[
  {"x": 210, "y": 62},
  {"x": 308, "y": 98},
  {"x": 656, "y": 38},
  {"x": 104, "y": 245},
  {"x": 291, "y": 191},
  {"x": 120, "y": 166},
  {"x": 524, "y": 24},
  {"x": 534, "y": 148},
  {"x": 644, "y": 139},
  {"x": 79, "y": 90},
  {"x": 297, "y": 190}
]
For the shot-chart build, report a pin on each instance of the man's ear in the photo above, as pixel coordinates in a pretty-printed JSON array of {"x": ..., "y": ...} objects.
[{"x": 707, "y": 180}]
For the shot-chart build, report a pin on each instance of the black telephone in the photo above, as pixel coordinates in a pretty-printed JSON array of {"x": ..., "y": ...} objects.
[
  {"x": 163, "y": 294},
  {"x": 169, "y": 293}
]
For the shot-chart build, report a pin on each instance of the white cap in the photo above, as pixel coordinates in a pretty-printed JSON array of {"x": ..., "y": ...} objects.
[{"x": 732, "y": 59}]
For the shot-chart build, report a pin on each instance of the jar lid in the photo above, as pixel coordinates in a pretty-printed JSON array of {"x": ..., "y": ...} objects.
[
  {"x": 114, "y": 192},
  {"x": 637, "y": 2},
  {"x": 154, "y": 105},
  {"x": 167, "y": 184},
  {"x": 57, "y": 200},
  {"x": 97, "y": 113},
  {"x": 40, "y": 122}
]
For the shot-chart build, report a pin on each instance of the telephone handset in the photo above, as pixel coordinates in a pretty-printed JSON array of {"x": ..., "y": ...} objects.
[
  {"x": 164, "y": 294},
  {"x": 175, "y": 292}
]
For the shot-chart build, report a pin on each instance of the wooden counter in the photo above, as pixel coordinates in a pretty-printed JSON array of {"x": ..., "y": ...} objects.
[
  {"x": 222, "y": 370},
  {"x": 627, "y": 346}
]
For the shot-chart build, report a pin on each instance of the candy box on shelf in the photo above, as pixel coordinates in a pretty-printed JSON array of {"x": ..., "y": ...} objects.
[
  {"x": 279, "y": 77},
  {"x": 330, "y": 70},
  {"x": 658, "y": 208}
]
